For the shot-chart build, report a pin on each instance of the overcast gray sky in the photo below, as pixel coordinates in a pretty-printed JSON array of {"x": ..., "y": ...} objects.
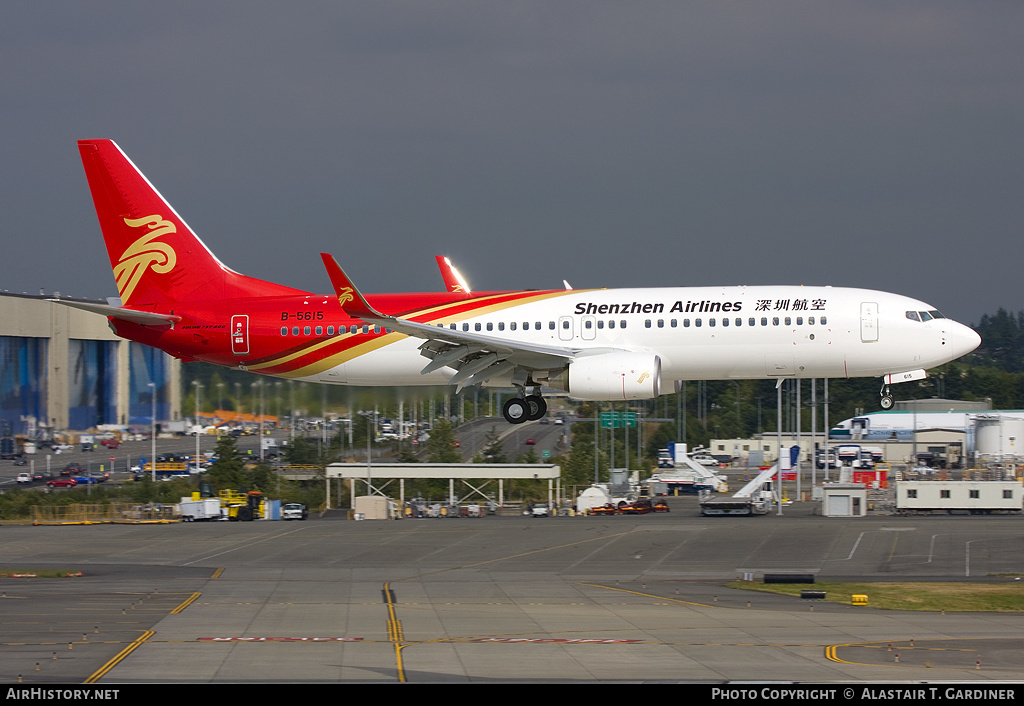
[{"x": 611, "y": 144}]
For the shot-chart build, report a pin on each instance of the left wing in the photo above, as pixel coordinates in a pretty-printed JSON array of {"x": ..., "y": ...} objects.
[{"x": 477, "y": 358}]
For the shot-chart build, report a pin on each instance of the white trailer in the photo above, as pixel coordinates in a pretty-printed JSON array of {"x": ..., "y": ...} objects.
[
  {"x": 200, "y": 510},
  {"x": 973, "y": 497}
]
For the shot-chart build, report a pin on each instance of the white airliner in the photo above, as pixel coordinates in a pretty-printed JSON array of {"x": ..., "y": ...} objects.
[
  {"x": 595, "y": 344},
  {"x": 900, "y": 426}
]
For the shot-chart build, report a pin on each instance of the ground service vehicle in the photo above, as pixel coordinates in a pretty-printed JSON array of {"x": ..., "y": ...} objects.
[
  {"x": 242, "y": 507},
  {"x": 640, "y": 506}
]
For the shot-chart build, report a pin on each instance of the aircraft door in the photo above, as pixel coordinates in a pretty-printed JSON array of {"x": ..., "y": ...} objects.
[
  {"x": 868, "y": 322},
  {"x": 588, "y": 328},
  {"x": 240, "y": 334},
  {"x": 565, "y": 332}
]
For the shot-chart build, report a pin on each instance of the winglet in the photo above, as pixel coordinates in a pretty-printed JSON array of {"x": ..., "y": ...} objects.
[
  {"x": 453, "y": 279},
  {"x": 350, "y": 298}
]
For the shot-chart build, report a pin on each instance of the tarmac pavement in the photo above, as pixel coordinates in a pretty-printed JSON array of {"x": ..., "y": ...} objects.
[{"x": 500, "y": 599}]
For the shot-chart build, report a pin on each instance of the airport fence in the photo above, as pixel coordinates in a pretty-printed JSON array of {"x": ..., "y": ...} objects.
[{"x": 81, "y": 514}]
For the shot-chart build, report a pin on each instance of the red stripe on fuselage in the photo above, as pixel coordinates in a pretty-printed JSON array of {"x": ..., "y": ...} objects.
[{"x": 203, "y": 333}]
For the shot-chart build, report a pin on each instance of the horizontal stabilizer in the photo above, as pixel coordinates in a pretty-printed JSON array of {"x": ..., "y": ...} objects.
[{"x": 147, "y": 318}]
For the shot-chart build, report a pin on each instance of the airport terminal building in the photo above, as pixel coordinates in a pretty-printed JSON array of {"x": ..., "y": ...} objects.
[{"x": 64, "y": 369}]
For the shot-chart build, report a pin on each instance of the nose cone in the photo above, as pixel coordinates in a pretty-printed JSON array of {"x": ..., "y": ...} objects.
[{"x": 962, "y": 339}]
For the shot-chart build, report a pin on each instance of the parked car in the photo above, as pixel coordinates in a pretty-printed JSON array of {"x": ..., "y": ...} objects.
[
  {"x": 62, "y": 483},
  {"x": 294, "y": 511},
  {"x": 540, "y": 510}
]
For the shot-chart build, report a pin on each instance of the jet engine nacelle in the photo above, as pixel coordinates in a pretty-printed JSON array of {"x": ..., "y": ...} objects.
[{"x": 615, "y": 376}]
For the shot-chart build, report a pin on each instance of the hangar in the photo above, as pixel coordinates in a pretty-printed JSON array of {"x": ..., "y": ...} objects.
[{"x": 64, "y": 369}]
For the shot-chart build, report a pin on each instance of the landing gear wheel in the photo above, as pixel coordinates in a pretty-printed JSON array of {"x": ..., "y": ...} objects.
[
  {"x": 537, "y": 407},
  {"x": 887, "y": 399},
  {"x": 515, "y": 411}
]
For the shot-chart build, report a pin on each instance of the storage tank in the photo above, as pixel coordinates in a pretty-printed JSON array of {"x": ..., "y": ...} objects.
[
  {"x": 592, "y": 497},
  {"x": 997, "y": 436}
]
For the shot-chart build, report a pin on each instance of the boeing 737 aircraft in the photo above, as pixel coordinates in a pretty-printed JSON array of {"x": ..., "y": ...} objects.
[{"x": 595, "y": 344}]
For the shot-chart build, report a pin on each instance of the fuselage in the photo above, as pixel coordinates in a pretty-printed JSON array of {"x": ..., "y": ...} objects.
[{"x": 698, "y": 332}]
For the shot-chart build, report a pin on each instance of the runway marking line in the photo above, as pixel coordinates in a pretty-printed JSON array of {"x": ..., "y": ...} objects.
[
  {"x": 394, "y": 631},
  {"x": 118, "y": 657},
  {"x": 832, "y": 656},
  {"x": 650, "y": 595},
  {"x": 603, "y": 537},
  {"x": 135, "y": 643},
  {"x": 188, "y": 601}
]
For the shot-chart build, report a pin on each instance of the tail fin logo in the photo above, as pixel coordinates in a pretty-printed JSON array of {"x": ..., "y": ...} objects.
[
  {"x": 144, "y": 255},
  {"x": 345, "y": 294}
]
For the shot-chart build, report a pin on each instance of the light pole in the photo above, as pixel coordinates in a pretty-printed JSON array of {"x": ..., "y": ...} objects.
[
  {"x": 152, "y": 431},
  {"x": 259, "y": 383},
  {"x": 198, "y": 387}
]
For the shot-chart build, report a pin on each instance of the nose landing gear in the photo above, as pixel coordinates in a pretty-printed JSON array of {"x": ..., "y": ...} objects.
[{"x": 887, "y": 400}]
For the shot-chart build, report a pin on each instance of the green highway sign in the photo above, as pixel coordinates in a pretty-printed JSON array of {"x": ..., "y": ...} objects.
[{"x": 614, "y": 420}]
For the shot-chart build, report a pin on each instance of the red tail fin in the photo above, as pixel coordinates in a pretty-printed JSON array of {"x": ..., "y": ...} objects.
[{"x": 156, "y": 257}]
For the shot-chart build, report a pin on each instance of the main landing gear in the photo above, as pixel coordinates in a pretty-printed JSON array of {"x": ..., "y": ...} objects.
[{"x": 524, "y": 409}]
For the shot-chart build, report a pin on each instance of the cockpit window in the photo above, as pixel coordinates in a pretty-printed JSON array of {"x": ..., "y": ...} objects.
[{"x": 924, "y": 315}]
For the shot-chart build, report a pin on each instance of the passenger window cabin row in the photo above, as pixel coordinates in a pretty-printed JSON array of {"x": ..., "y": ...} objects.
[
  {"x": 588, "y": 323},
  {"x": 738, "y": 321}
]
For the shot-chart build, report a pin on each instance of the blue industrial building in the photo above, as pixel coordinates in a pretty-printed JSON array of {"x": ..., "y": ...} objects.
[{"x": 64, "y": 369}]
